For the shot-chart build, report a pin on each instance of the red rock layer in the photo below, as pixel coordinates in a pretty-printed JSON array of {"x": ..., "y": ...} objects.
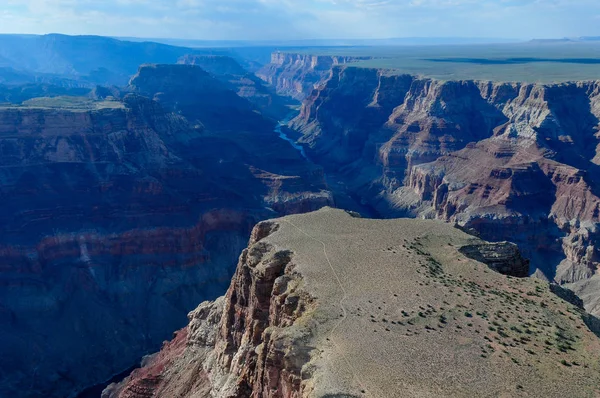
[
  {"x": 237, "y": 346},
  {"x": 117, "y": 221}
]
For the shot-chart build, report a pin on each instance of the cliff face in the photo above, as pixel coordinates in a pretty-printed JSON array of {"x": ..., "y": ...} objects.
[
  {"x": 297, "y": 75},
  {"x": 513, "y": 162},
  {"x": 119, "y": 220},
  {"x": 339, "y": 119},
  {"x": 325, "y": 304},
  {"x": 247, "y": 343},
  {"x": 244, "y": 83},
  {"x": 201, "y": 98}
]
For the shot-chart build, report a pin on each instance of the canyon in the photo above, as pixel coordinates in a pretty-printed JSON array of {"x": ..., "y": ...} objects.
[
  {"x": 507, "y": 161},
  {"x": 125, "y": 207},
  {"x": 297, "y": 75},
  {"x": 121, "y": 214}
]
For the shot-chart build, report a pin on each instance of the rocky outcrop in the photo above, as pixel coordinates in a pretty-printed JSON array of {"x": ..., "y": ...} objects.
[
  {"x": 192, "y": 92},
  {"x": 119, "y": 217},
  {"x": 244, "y": 83},
  {"x": 503, "y": 257},
  {"x": 297, "y": 75},
  {"x": 327, "y": 304},
  {"x": 338, "y": 121},
  {"x": 512, "y": 161},
  {"x": 239, "y": 345},
  {"x": 217, "y": 65}
]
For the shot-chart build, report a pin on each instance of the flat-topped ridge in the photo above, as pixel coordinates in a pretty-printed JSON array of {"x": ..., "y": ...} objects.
[{"x": 326, "y": 304}]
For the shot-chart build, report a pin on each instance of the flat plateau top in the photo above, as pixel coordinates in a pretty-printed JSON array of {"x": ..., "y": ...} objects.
[
  {"x": 402, "y": 313},
  {"x": 76, "y": 104},
  {"x": 528, "y": 62}
]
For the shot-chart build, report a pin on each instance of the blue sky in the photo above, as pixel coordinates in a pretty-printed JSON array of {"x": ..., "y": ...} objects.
[{"x": 300, "y": 19}]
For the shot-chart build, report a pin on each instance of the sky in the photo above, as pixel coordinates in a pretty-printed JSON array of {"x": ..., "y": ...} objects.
[{"x": 304, "y": 19}]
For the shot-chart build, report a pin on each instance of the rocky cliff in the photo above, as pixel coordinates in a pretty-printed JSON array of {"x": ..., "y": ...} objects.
[
  {"x": 192, "y": 92},
  {"x": 244, "y": 83},
  {"x": 297, "y": 75},
  {"x": 509, "y": 161},
  {"x": 118, "y": 217},
  {"x": 329, "y": 305}
]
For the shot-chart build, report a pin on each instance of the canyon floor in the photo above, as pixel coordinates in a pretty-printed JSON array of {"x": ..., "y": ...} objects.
[{"x": 384, "y": 308}]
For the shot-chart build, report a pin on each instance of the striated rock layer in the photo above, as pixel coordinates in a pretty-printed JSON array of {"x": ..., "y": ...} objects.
[
  {"x": 297, "y": 75},
  {"x": 508, "y": 161},
  {"x": 329, "y": 305},
  {"x": 118, "y": 218}
]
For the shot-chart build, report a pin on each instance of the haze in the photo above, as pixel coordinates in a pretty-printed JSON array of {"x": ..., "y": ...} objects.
[{"x": 307, "y": 19}]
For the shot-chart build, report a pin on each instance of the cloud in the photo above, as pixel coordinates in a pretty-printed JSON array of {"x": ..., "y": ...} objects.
[{"x": 291, "y": 19}]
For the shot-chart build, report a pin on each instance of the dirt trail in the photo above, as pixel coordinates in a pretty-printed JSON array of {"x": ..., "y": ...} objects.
[{"x": 351, "y": 368}]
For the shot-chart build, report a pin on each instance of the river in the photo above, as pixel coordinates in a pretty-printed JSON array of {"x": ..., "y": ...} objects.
[
  {"x": 281, "y": 131},
  {"x": 345, "y": 201}
]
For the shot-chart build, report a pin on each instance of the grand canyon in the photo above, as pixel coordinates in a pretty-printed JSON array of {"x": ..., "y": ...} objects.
[{"x": 230, "y": 221}]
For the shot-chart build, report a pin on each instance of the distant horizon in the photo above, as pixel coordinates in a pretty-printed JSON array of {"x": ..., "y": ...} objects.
[
  {"x": 409, "y": 41},
  {"x": 476, "y": 38},
  {"x": 261, "y": 20},
  {"x": 461, "y": 39}
]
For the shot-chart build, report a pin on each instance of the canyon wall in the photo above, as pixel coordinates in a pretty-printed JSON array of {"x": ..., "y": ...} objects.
[
  {"x": 119, "y": 219},
  {"x": 120, "y": 216},
  {"x": 297, "y": 75},
  {"x": 240, "y": 345},
  {"x": 247, "y": 85},
  {"x": 509, "y": 161}
]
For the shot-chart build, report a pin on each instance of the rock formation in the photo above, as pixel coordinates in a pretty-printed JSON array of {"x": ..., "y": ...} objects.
[
  {"x": 119, "y": 217},
  {"x": 503, "y": 257},
  {"x": 123, "y": 210},
  {"x": 297, "y": 75},
  {"x": 244, "y": 83},
  {"x": 510, "y": 161},
  {"x": 195, "y": 94},
  {"x": 330, "y": 305}
]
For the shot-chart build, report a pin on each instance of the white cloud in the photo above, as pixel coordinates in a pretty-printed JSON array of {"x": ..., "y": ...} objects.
[{"x": 279, "y": 19}]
